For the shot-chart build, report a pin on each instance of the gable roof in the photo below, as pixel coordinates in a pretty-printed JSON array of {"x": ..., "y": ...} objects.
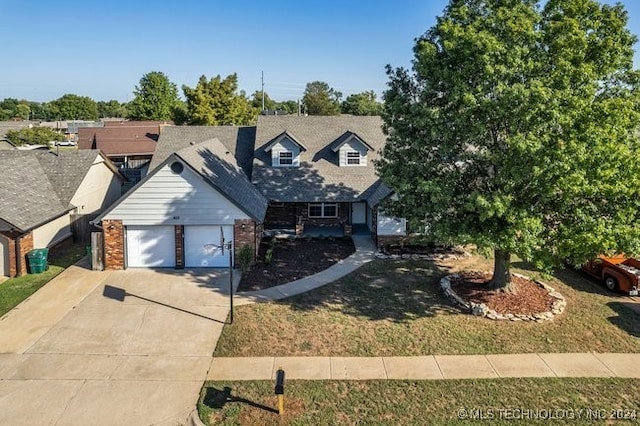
[
  {"x": 319, "y": 176},
  {"x": 218, "y": 166},
  {"x": 212, "y": 160},
  {"x": 238, "y": 140},
  {"x": 284, "y": 135},
  {"x": 347, "y": 137},
  {"x": 37, "y": 186},
  {"x": 120, "y": 141}
]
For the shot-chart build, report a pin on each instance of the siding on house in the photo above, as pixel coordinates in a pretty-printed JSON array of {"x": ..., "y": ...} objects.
[
  {"x": 285, "y": 145},
  {"x": 168, "y": 198},
  {"x": 99, "y": 189},
  {"x": 353, "y": 146},
  {"x": 390, "y": 225},
  {"x": 53, "y": 232}
]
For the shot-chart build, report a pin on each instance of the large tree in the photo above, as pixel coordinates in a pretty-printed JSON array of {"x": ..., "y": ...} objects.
[
  {"x": 364, "y": 103},
  {"x": 112, "y": 108},
  {"x": 258, "y": 98},
  {"x": 516, "y": 130},
  {"x": 155, "y": 98},
  {"x": 74, "y": 107},
  {"x": 321, "y": 99},
  {"x": 217, "y": 102}
]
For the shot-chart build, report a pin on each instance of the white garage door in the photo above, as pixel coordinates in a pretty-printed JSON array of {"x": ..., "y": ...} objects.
[
  {"x": 151, "y": 246},
  {"x": 202, "y": 246}
]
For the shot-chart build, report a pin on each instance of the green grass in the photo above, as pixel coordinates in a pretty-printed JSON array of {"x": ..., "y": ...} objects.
[
  {"x": 392, "y": 402},
  {"x": 15, "y": 290},
  {"x": 395, "y": 308}
]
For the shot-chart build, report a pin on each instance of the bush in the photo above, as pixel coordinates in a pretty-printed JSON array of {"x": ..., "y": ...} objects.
[
  {"x": 268, "y": 256},
  {"x": 245, "y": 257}
]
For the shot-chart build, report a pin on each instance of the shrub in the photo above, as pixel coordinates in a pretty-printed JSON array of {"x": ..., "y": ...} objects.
[
  {"x": 268, "y": 256},
  {"x": 245, "y": 257}
]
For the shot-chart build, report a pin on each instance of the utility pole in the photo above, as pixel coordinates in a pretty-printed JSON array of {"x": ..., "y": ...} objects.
[{"x": 262, "y": 90}]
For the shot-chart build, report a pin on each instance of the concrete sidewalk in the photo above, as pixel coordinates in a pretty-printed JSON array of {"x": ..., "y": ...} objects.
[
  {"x": 365, "y": 250},
  {"x": 433, "y": 367}
]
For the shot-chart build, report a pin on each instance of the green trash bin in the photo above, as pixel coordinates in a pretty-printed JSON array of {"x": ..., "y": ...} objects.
[{"x": 38, "y": 261}]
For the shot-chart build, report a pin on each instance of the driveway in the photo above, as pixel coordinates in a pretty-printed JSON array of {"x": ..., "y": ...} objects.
[{"x": 118, "y": 347}]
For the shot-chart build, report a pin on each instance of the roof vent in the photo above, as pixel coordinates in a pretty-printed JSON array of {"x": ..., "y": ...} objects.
[{"x": 177, "y": 167}]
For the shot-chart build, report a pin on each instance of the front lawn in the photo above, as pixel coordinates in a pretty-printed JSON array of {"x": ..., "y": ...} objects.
[
  {"x": 15, "y": 290},
  {"x": 395, "y": 402},
  {"x": 395, "y": 308}
]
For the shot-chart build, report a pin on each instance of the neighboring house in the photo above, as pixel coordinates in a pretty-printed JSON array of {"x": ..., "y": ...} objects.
[
  {"x": 42, "y": 191},
  {"x": 302, "y": 175},
  {"x": 129, "y": 144}
]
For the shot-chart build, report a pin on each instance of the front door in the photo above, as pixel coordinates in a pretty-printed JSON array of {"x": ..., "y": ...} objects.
[{"x": 358, "y": 213}]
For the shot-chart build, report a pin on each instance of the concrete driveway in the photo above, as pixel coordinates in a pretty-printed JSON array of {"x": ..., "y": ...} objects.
[{"x": 123, "y": 347}]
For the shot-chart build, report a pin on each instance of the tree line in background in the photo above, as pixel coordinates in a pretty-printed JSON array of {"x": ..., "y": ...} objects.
[{"x": 215, "y": 101}]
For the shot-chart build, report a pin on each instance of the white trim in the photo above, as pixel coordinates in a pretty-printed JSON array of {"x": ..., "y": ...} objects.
[{"x": 323, "y": 207}]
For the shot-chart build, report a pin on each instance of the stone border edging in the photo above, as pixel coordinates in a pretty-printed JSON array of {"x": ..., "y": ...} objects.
[
  {"x": 482, "y": 310},
  {"x": 434, "y": 256}
]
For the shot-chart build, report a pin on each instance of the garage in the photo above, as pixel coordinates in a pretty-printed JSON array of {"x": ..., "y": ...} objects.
[
  {"x": 202, "y": 246},
  {"x": 151, "y": 246}
]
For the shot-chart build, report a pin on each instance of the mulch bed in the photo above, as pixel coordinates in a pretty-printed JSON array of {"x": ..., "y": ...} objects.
[
  {"x": 294, "y": 259},
  {"x": 423, "y": 249},
  {"x": 528, "y": 299}
]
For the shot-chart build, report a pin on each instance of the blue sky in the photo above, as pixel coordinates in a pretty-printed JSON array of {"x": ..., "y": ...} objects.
[{"x": 101, "y": 49}]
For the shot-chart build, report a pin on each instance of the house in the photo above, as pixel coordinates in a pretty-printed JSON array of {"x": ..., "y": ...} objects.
[
  {"x": 42, "y": 192},
  {"x": 233, "y": 184},
  {"x": 318, "y": 172},
  {"x": 129, "y": 144}
]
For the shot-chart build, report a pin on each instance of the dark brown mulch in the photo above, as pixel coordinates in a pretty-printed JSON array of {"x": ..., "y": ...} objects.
[
  {"x": 294, "y": 259},
  {"x": 528, "y": 299}
]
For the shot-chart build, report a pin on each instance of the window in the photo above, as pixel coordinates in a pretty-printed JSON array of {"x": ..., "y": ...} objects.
[
  {"x": 353, "y": 158},
  {"x": 286, "y": 158},
  {"x": 323, "y": 210}
]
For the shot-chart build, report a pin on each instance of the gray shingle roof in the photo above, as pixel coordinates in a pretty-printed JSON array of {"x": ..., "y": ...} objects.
[
  {"x": 237, "y": 139},
  {"x": 66, "y": 170},
  {"x": 319, "y": 177},
  {"x": 36, "y": 186},
  {"x": 218, "y": 165}
]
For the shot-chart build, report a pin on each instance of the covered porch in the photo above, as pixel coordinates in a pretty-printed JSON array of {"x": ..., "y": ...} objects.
[
  {"x": 315, "y": 231},
  {"x": 318, "y": 219}
]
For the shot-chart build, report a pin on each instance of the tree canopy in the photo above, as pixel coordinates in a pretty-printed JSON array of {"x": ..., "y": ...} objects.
[
  {"x": 13, "y": 108},
  {"x": 74, "y": 107},
  {"x": 217, "y": 102},
  {"x": 364, "y": 103},
  {"x": 33, "y": 136},
  {"x": 321, "y": 99},
  {"x": 156, "y": 98},
  {"x": 516, "y": 130},
  {"x": 112, "y": 108}
]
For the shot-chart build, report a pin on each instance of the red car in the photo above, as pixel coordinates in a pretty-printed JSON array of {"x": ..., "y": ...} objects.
[{"x": 618, "y": 273}]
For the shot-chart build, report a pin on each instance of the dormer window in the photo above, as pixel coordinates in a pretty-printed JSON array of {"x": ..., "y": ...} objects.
[
  {"x": 351, "y": 150},
  {"x": 285, "y": 150},
  {"x": 353, "y": 158},
  {"x": 285, "y": 158}
]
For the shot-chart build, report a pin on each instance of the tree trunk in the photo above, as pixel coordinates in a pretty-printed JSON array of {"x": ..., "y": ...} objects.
[{"x": 501, "y": 279}]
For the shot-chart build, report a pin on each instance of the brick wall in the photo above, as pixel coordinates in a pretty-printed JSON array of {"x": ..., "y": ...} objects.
[
  {"x": 18, "y": 265},
  {"x": 245, "y": 231},
  {"x": 281, "y": 215},
  {"x": 179, "y": 239},
  {"x": 113, "y": 233}
]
